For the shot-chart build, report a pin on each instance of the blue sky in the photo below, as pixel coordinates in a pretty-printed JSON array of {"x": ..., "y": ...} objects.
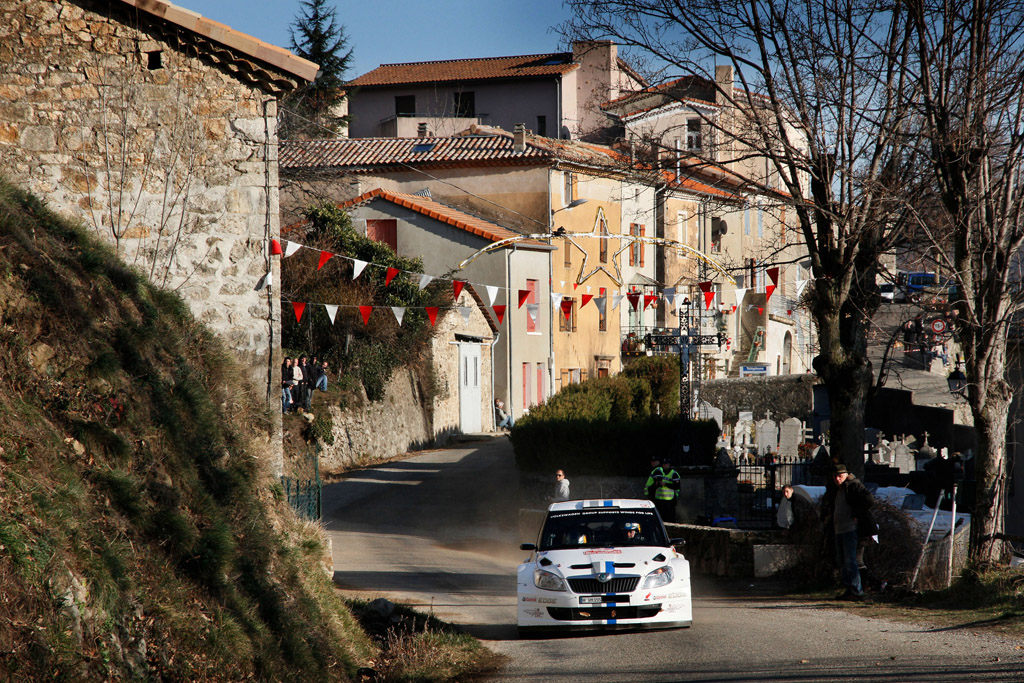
[{"x": 388, "y": 31}]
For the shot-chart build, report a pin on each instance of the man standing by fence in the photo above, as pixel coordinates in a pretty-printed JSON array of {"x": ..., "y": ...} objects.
[{"x": 663, "y": 488}]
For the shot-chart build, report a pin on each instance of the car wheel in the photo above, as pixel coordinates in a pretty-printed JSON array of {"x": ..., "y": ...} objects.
[{"x": 915, "y": 298}]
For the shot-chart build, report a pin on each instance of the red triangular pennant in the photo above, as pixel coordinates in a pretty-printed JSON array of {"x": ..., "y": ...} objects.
[
  {"x": 708, "y": 298},
  {"x": 458, "y": 285},
  {"x": 392, "y": 272},
  {"x": 760, "y": 310},
  {"x": 768, "y": 291},
  {"x": 634, "y": 300},
  {"x": 432, "y": 314},
  {"x": 499, "y": 312},
  {"x": 648, "y": 298},
  {"x": 705, "y": 286},
  {"x": 567, "y": 308},
  {"x": 275, "y": 248},
  {"x": 789, "y": 311},
  {"x": 524, "y": 294},
  {"x": 575, "y": 285},
  {"x": 585, "y": 299},
  {"x": 325, "y": 256},
  {"x": 298, "y": 308},
  {"x": 773, "y": 273},
  {"x": 365, "y": 311}
]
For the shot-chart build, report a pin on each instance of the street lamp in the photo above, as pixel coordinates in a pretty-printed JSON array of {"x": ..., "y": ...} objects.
[{"x": 957, "y": 381}]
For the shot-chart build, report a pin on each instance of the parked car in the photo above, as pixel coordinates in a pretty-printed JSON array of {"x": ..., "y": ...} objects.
[
  {"x": 602, "y": 565},
  {"x": 887, "y": 291}
]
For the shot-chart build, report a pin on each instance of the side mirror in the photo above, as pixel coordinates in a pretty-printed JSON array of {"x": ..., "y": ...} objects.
[
  {"x": 677, "y": 541},
  {"x": 527, "y": 546}
]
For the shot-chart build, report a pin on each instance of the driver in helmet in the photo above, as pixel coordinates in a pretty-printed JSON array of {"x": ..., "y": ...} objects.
[{"x": 630, "y": 533}]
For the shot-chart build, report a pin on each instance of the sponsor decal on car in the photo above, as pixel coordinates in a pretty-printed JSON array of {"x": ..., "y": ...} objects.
[
  {"x": 647, "y": 597},
  {"x": 672, "y": 596},
  {"x": 535, "y": 613},
  {"x": 603, "y": 551},
  {"x": 527, "y": 598},
  {"x": 546, "y": 601}
]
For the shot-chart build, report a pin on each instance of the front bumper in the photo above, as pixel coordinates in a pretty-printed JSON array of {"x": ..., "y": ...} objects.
[{"x": 667, "y": 607}]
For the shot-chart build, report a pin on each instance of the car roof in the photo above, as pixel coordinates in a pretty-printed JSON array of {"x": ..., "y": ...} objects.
[{"x": 611, "y": 503}]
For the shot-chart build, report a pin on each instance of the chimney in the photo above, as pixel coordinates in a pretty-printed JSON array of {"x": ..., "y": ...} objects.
[
  {"x": 519, "y": 138},
  {"x": 724, "y": 77},
  {"x": 421, "y": 129}
]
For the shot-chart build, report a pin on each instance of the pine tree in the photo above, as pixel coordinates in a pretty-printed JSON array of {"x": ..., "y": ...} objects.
[{"x": 312, "y": 110}]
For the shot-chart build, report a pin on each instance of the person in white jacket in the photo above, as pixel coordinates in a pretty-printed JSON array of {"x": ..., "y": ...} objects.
[{"x": 561, "y": 487}]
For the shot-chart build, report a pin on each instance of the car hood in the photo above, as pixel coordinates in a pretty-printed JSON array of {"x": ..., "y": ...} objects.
[{"x": 620, "y": 560}]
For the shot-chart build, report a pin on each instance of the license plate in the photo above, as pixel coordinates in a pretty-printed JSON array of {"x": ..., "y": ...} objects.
[{"x": 591, "y": 600}]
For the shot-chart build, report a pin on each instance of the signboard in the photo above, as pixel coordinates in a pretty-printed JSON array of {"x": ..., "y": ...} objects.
[
  {"x": 939, "y": 326},
  {"x": 754, "y": 370}
]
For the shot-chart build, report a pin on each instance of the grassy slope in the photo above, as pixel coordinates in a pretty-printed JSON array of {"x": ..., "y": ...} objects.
[{"x": 141, "y": 536}]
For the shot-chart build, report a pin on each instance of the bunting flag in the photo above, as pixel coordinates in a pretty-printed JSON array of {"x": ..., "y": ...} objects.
[
  {"x": 616, "y": 300},
  {"x": 392, "y": 272},
  {"x": 432, "y": 314},
  {"x": 705, "y": 286},
  {"x": 556, "y": 298},
  {"x": 298, "y": 307},
  {"x": 465, "y": 311},
  {"x": 457, "y": 286},
  {"x": 588, "y": 289},
  {"x": 332, "y": 311},
  {"x": 602, "y": 304},
  {"x": 648, "y": 299},
  {"x": 291, "y": 248},
  {"x": 585, "y": 299},
  {"x": 524, "y": 294},
  {"x": 768, "y": 291},
  {"x": 575, "y": 285},
  {"x": 566, "y": 308},
  {"x": 275, "y": 248},
  {"x": 670, "y": 295},
  {"x": 740, "y": 293},
  {"x": 760, "y": 310},
  {"x": 532, "y": 311},
  {"x": 740, "y": 279},
  {"x": 733, "y": 308},
  {"x": 357, "y": 267},
  {"x": 492, "y": 291},
  {"x": 708, "y": 298},
  {"x": 800, "y": 284},
  {"x": 634, "y": 300},
  {"x": 425, "y": 280},
  {"x": 264, "y": 282},
  {"x": 499, "y": 313},
  {"x": 773, "y": 273},
  {"x": 399, "y": 312},
  {"x": 562, "y": 283},
  {"x": 325, "y": 256},
  {"x": 789, "y": 312},
  {"x": 365, "y": 311}
]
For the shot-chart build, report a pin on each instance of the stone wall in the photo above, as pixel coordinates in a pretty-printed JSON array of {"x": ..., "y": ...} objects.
[
  {"x": 155, "y": 148},
  {"x": 785, "y": 396}
]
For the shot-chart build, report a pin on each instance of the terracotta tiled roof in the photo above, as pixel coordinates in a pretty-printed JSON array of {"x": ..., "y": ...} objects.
[
  {"x": 443, "y": 213},
  {"x": 522, "y": 66},
  {"x": 225, "y": 35},
  {"x": 693, "y": 89}
]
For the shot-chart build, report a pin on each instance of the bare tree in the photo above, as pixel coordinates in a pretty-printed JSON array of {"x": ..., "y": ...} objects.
[
  {"x": 817, "y": 106},
  {"x": 970, "y": 64}
]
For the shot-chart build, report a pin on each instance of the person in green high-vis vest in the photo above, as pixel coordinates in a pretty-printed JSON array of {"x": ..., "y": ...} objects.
[{"x": 663, "y": 488}]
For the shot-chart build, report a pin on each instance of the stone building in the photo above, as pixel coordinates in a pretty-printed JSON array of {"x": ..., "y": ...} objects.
[{"x": 156, "y": 128}]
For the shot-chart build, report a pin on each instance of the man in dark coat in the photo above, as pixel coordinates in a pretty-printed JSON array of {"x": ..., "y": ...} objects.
[{"x": 846, "y": 512}]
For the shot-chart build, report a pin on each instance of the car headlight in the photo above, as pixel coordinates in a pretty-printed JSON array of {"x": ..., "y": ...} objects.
[
  {"x": 662, "y": 576},
  {"x": 547, "y": 581}
]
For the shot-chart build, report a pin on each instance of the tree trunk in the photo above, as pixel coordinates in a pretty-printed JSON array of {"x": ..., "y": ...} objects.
[{"x": 990, "y": 407}]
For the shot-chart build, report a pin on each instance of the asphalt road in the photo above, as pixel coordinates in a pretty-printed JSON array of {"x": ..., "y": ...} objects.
[{"x": 439, "y": 531}]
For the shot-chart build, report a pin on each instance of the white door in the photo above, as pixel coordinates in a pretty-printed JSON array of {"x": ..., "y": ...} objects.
[{"x": 469, "y": 388}]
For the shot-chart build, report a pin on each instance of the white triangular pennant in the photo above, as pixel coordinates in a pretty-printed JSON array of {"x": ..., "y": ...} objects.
[
  {"x": 399, "y": 312},
  {"x": 357, "y": 267},
  {"x": 465, "y": 311},
  {"x": 563, "y": 282},
  {"x": 740, "y": 293},
  {"x": 332, "y": 311},
  {"x": 556, "y": 299},
  {"x": 264, "y": 282},
  {"x": 492, "y": 291},
  {"x": 425, "y": 280},
  {"x": 588, "y": 289},
  {"x": 290, "y": 248},
  {"x": 531, "y": 310},
  {"x": 670, "y": 295},
  {"x": 800, "y": 284},
  {"x": 615, "y": 301}
]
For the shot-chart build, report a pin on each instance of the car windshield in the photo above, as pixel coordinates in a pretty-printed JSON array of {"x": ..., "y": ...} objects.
[{"x": 602, "y": 528}]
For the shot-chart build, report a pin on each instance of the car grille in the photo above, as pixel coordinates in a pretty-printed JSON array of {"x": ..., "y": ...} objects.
[
  {"x": 623, "y": 584},
  {"x": 588, "y": 613}
]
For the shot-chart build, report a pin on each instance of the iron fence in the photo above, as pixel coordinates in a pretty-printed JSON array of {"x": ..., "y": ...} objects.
[
  {"x": 304, "y": 492},
  {"x": 759, "y": 488}
]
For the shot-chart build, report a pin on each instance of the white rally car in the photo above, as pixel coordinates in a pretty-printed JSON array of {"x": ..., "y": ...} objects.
[{"x": 603, "y": 564}]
